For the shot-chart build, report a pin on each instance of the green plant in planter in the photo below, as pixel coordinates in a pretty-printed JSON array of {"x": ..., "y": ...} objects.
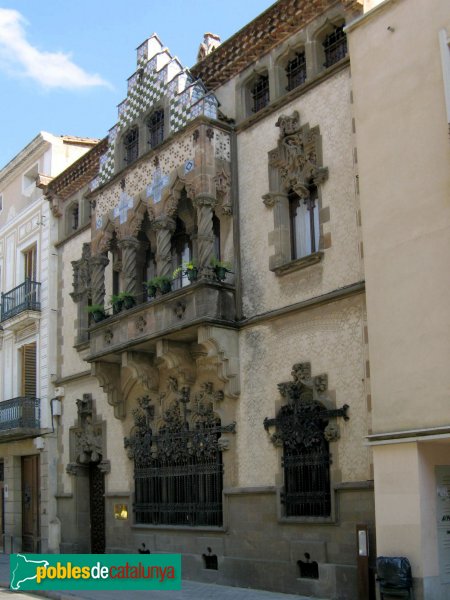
[
  {"x": 188, "y": 268},
  {"x": 128, "y": 299},
  {"x": 117, "y": 303},
  {"x": 97, "y": 311},
  {"x": 221, "y": 268},
  {"x": 161, "y": 283}
]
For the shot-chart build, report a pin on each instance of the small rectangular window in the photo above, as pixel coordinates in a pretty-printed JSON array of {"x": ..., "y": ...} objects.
[
  {"x": 296, "y": 71},
  {"x": 131, "y": 145},
  {"x": 28, "y": 360},
  {"x": 335, "y": 46},
  {"x": 260, "y": 93},
  {"x": 155, "y": 124},
  {"x": 29, "y": 180}
]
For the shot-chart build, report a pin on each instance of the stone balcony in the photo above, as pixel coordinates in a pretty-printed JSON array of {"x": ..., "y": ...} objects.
[{"x": 175, "y": 315}]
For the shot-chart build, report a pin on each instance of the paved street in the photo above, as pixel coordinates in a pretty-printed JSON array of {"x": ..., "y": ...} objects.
[{"x": 192, "y": 590}]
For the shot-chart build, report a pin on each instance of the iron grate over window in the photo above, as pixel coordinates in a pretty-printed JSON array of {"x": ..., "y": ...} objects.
[
  {"x": 131, "y": 144},
  {"x": 335, "y": 46},
  {"x": 260, "y": 93},
  {"x": 185, "y": 492},
  {"x": 296, "y": 71},
  {"x": 307, "y": 482},
  {"x": 155, "y": 125},
  {"x": 178, "y": 470}
]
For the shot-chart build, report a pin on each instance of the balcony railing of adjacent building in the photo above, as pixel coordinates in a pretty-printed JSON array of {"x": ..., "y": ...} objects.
[
  {"x": 26, "y": 296},
  {"x": 20, "y": 416}
]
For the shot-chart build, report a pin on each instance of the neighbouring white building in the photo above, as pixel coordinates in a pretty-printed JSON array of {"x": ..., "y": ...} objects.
[{"x": 27, "y": 356}]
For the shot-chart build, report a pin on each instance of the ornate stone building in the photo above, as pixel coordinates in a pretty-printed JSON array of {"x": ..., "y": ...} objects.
[{"x": 219, "y": 409}]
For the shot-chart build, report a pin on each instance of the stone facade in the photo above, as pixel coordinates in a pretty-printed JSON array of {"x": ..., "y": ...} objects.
[{"x": 194, "y": 382}]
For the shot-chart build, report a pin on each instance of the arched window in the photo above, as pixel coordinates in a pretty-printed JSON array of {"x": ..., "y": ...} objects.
[
  {"x": 296, "y": 70},
  {"x": 335, "y": 46},
  {"x": 304, "y": 223},
  {"x": 131, "y": 145},
  {"x": 216, "y": 232},
  {"x": 155, "y": 128}
]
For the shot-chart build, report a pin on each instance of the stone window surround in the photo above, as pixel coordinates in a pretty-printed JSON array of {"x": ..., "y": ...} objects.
[
  {"x": 280, "y": 171},
  {"x": 274, "y": 63}
]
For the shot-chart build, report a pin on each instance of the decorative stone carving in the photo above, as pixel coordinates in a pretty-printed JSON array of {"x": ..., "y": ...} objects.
[
  {"x": 207, "y": 394},
  {"x": 108, "y": 375},
  {"x": 164, "y": 227},
  {"x": 108, "y": 336},
  {"x": 222, "y": 182},
  {"x": 129, "y": 247},
  {"x": 140, "y": 324},
  {"x": 221, "y": 346},
  {"x": 177, "y": 359},
  {"x": 297, "y": 158},
  {"x": 138, "y": 369},
  {"x": 86, "y": 439},
  {"x": 210, "y": 42},
  {"x": 82, "y": 274},
  {"x": 301, "y": 421},
  {"x": 98, "y": 264},
  {"x": 180, "y": 309}
]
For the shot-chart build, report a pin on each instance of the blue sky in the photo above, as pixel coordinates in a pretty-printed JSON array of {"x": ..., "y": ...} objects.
[{"x": 64, "y": 65}]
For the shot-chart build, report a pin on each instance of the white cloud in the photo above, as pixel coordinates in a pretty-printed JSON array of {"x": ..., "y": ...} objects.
[{"x": 49, "y": 69}]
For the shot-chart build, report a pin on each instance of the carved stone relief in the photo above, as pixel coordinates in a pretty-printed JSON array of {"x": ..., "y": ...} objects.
[{"x": 87, "y": 439}]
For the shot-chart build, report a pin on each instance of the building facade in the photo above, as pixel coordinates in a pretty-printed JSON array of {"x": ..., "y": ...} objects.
[
  {"x": 402, "y": 114},
  {"x": 28, "y": 355},
  {"x": 213, "y": 348}
]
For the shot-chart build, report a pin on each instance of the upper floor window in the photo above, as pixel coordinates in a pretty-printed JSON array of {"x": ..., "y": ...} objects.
[
  {"x": 155, "y": 125},
  {"x": 29, "y": 180},
  {"x": 260, "y": 93},
  {"x": 335, "y": 46},
  {"x": 131, "y": 145},
  {"x": 296, "y": 71},
  {"x": 181, "y": 251},
  {"x": 29, "y": 257},
  {"x": 74, "y": 217},
  {"x": 304, "y": 224}
]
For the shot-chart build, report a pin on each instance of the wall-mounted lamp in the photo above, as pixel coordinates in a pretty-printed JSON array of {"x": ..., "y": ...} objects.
[{"x": 121, "y": 511}]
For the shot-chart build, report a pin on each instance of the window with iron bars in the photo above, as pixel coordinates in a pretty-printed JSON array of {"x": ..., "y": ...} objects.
[
  {"x": 155, "y": 125},
  {"x": 335, "y": 46},
  {"x": 296, "y": 71},
  {"x": 260, "y": 93},
  {"x": 181, "y": 488},
  {"x": 131, "y": 145}
]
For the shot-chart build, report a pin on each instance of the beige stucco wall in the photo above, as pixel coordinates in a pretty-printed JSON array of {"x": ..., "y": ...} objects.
[
  {"x": 331, "y": 338},
  {"x": 404, "y": 153},
  {"x": 328, "y": 106}
]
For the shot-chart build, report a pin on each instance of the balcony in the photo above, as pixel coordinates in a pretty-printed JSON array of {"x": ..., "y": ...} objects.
[
  {"x": 175, "y": 315},
  {"x": 24, "y": 300},
  {"x": 20, "y": 418}
]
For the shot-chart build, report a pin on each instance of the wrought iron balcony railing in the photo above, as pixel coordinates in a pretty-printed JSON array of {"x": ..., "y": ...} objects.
[
  {"x": 26, "y": 296},
  {"x": 20, "y": 413}
]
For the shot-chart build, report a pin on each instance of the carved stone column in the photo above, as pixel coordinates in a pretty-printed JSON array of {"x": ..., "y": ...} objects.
[
  {"x": 98, "y": 265},
  {"x": 164, "y": 227},
  {"x": 129, "y": 247},
  {"x": 205, "y": 234}
]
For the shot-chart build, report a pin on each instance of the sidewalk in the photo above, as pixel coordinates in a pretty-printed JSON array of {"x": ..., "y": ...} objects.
[{"x": 192, "y": 590}]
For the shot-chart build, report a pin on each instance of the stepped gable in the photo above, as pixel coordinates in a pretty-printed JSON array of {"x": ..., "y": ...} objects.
[{"x": 159, "y": 80}]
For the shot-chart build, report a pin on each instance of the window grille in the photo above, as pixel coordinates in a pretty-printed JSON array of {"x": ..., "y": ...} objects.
[
  {"x": 260, "y": 93},
  {"x": 296, "y": 71},
  {"x": 131, "y": 144},
  {"x": 335, "y": 46},
  {"x": 155, "y": 124}
]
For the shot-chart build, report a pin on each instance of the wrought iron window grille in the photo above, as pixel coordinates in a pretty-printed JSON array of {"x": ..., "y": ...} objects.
[
  {"x": 335, "y": 46},
  {"x": 260, "y": 93},
  {"x": 296, "y": 71},
  {"x": 304, "y": 432},
  {"x": 178, "y": 471}
]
